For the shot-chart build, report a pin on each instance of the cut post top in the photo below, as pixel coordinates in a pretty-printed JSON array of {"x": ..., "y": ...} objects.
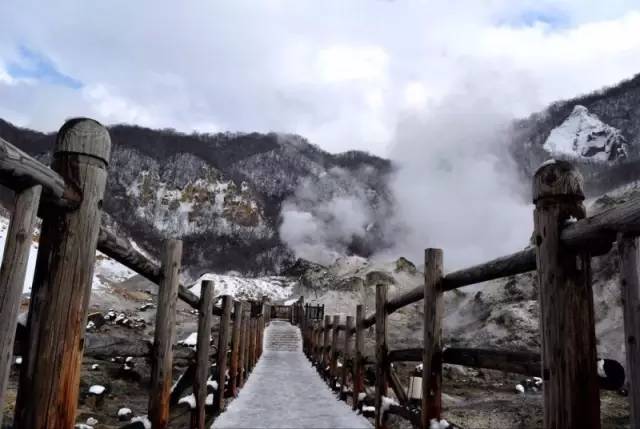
[
  {"x": 558, "y": 179},
  {"x": 84, "y": 136}
]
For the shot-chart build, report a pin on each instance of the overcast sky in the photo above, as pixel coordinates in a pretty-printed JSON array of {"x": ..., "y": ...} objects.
[{"x": 341, "y": 73}]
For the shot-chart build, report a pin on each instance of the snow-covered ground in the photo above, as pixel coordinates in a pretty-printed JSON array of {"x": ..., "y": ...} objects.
[
  {"x": 275, "y": 288},
  {"x": 285, "y": 391},
  {"x": 584, "y": 135}
]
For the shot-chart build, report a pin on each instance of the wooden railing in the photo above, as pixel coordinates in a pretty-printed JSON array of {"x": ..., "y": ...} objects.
[
  {"x": 68, "y": 197},
  {"x": 565, "y": 241}
]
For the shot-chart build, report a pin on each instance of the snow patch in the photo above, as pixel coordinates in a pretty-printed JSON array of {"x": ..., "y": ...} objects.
[
  {"x": 190, "y": 341},
  {"x": 435, "y": 424},
  {"x": 144, "y": 420},
  {"x": 601, "y": 371},
  {"x": 97, "y": 389},
  {"x": 190, "y": 400},
  {"x": 275, "y": 288}
]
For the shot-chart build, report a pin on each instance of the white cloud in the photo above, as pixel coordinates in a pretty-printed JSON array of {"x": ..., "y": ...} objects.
[
  {"x": 426, "y": 83},
  {"x": 348, "y": 63},
  {"x": 338, "y": 72}
]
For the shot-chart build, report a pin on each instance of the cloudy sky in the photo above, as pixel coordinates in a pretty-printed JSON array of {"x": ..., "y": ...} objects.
[{"x": 339, "y": 72}]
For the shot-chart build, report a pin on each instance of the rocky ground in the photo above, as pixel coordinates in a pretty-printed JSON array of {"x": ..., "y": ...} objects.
[{"x": 489, "y": 399}]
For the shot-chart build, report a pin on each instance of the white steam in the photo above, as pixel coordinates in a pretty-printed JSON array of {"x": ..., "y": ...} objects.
[
  {"x": 322, "y": 218},
  {"x": 456, "y": 186}
]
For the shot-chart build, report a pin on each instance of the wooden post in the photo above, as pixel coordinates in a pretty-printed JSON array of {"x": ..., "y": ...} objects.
[
  {"x": 260, "y": 331},
  {"x": 50, "y": 375},
  {"x": 305, "y": 330},
  {"x": 346, "y": 356},
  {"x": 252, "y": 343},
  {"x": 629, "y": 250},
  {"x": 247, "y": 343},
  {"x": 311, "y": 345},
  {"x": 242, "y": 355},
  {"x": 316, "y": 343},
  {"x": 256, "y": 334},
  {"x": 381, "y": 353},
  {"x": 325, "y": 344},
  {"x": 571, "y": 396},
  {"x": 235, "y": 347},
  {"x": 335, "y": 334},
  {"x": 202, "y": 352},
  {"x": 223, "y": 348},
  {"x": 358, "y": 360},
  {"x": 12, "y": 275},
  {"x": 164, "y": 336},
  {"x": 432, "y": 355}
]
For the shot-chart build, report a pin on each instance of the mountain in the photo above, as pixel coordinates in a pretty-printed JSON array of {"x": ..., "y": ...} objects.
[
  {"x": 600, "y": 132},
  {"x": 584, "y": 136},
  {"x": 222, "y": 193}
]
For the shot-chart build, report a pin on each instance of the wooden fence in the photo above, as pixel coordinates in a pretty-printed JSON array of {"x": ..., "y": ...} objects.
[
  {"x": 68, "y": 197},
  {"x": 565, "y": 241}
]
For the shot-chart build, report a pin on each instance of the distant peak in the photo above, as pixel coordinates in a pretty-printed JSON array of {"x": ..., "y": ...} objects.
[{"x": 583, "y": 135}]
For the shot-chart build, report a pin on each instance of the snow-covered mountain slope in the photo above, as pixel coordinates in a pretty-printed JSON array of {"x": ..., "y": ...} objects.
[
  {"x": 247, "y": 288},
  {"x": 106, "y": 271},
  {"x": 223, "y": 194},
  {"x": 584, "y": 135}
]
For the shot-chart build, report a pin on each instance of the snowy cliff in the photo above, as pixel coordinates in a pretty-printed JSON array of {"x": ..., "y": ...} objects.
[{"x": 584, "y": 135}]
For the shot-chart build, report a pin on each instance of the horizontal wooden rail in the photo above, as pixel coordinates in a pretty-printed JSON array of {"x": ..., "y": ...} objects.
[
  {"x": 19, "y": 171},
  {"x": 596, "y": 232},
  {"x": 123, "y": 252},
  {"x": 525, "y": 363},
  {"x": 516, "y": 263}
]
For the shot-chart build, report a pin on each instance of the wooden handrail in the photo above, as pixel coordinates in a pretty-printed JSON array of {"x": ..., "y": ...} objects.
[
  {"x": 121, "y": 250},
  {"x": 597, "y": 232},
  {"x": 19, "y": 171}
]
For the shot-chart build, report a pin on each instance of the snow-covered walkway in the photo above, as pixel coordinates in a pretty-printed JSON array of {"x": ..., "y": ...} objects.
[{"x": 285, "y": 391}]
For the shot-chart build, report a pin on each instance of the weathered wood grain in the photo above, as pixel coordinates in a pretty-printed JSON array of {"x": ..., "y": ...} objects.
[
  {"x": 242, "y": 355},
  {"x": 235, "y": 347},
  {"x": 325, "y": 344},
  {"x": 432, "y": 356},
  {"x": 599, "y": 231},
  {"x": 516, "y": 362},
  {"x": 223, "y": 348},
  {"x": 396, "y": 386},
  {"x": 122, "y": 251},
  {"x": 381, "y": 353},
  {"x": 571, "y": 397},
  {"x": 50, "y": 376},
  {"x": 629, "y": 249},
  {"x": 346, "y": 356},
  {"x": 333, "y": 366},
  {"x": 202, "y": 352},
  {"x": 164, "y": 336},
  {"x": 13, "y": 273},
  {"x": 19, "y": 171},
  {"x": 358, "y": 370}
]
